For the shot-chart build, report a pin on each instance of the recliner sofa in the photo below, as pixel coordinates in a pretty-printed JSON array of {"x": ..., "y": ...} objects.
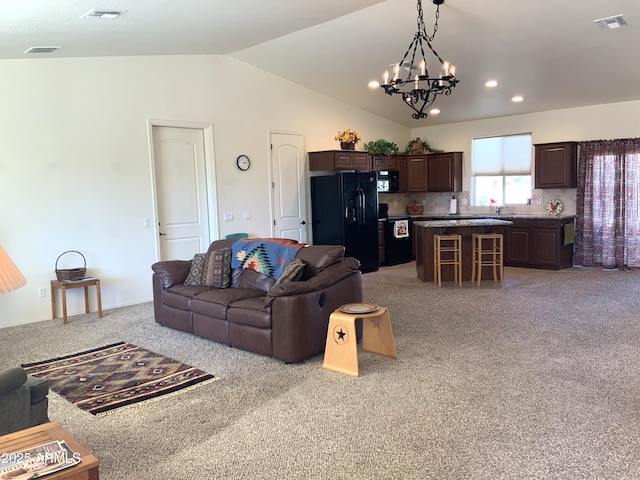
[
  {"x": 287, "y": 321},
  {"x": 23, "y": 400}
]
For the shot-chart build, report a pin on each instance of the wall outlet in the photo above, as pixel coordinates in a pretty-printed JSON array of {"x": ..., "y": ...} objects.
[
  {"x": 247, "y": 215},
  {"x": 42, "y": 292}
]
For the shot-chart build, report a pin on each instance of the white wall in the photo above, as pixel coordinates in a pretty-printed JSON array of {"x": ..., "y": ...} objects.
[
  {"x": 75, "y": 169},
  {"x": 617, "y": 120}
]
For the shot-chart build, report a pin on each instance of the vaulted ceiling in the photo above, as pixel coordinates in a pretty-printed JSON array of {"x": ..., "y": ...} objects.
[{"x": 548, "y": 51}]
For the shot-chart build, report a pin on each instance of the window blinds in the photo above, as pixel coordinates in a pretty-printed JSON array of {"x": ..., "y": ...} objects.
[{"x": 497, "y": 156}]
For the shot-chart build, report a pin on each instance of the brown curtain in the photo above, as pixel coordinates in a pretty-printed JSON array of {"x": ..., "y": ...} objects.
[{"x": 607, "y": 230}]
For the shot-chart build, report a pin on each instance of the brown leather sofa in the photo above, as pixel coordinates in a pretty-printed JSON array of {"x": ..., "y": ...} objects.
[{"x": 288, "y": 322}]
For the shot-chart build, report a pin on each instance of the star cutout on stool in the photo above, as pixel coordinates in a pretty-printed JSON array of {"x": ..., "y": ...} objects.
[
  {"x": 340, "y": 335},
  {"x": 376, "y": 322}
]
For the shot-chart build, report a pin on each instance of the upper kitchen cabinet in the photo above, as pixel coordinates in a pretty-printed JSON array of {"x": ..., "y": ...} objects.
[
  {"x": 384, "y": 162},
  {"x": 330, "y": 160},
  {"x": 556, "y": 165},
  {"x": 434, "y": 172},
  {"x": 444, "y": 172},
  {"x": 416, "y": 173},
  {"x": 401, "y": 161}
]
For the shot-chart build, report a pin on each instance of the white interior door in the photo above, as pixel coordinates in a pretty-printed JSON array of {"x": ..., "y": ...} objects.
[
  {"x": 181, "y": 191},
  {"x": 288, "y": 182}
]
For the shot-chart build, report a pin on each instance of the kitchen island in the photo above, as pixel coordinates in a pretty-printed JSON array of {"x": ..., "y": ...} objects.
[{"x": 425, "y": 230}]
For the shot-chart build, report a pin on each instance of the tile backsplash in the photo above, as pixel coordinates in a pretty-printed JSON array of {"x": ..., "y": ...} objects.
[{"x": 438, "y": 203}]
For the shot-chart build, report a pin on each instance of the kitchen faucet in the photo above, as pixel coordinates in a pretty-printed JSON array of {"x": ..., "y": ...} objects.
[{"x": 499, "y": 209}]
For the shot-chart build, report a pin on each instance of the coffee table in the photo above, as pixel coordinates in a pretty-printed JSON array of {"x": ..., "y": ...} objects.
[{"x": 87, "y": 469}]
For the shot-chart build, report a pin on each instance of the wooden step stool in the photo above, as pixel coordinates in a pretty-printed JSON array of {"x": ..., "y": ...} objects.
[
  {"x": 451, "y": 246},
  {"x": 491, "y": 257},
  {"x": 341, "y": 350}
]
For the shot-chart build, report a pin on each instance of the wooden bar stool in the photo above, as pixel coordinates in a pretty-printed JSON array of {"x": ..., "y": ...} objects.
[
  {"x": 341, "y": 351},
  {"x": 452, "y": 250},
  {"x": 489, "y": 257}
]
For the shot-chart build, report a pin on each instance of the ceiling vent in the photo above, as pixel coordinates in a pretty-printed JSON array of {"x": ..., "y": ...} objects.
[
  {"x": 42, "y": 49},
  {"x": 106, "y": 14},
  {"x": 611, "y": 23}
]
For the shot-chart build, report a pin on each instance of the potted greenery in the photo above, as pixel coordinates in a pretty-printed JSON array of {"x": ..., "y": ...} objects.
[
  {"x": 418, "y": 146},
  {"x": 381, "y": 147}
]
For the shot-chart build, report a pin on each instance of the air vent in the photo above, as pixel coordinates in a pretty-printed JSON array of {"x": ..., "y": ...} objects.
[
  {"x": 42, "y": 49},
  {"x": 611, "y": 23},
  {"x": 106, "y": 14}
]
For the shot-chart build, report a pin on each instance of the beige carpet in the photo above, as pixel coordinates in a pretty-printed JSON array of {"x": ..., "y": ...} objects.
[{"x": 536, "y": 380}]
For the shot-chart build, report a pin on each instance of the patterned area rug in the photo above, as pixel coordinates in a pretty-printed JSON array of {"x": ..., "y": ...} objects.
[{"x": 114, "y": 376}]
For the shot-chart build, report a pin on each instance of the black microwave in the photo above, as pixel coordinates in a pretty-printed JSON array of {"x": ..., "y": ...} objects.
[{"x": 388, "y": 181}]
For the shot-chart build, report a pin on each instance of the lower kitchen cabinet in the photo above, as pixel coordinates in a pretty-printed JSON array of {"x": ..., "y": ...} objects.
[{"x": 540, "y": 243}]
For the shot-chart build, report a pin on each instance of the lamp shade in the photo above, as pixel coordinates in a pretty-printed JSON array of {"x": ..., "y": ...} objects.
[{"x": 10, "y": 276}]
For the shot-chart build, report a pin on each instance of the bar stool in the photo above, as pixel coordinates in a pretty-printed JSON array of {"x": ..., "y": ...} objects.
[
  {"x": 452, "y": 248},
  {"x": 489, "y": 257}
]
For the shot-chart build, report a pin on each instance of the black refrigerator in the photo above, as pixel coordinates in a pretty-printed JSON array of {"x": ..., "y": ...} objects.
[{"x": 344, "y": 209}]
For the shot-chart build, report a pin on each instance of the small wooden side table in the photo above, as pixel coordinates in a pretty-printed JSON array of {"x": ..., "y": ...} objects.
[
  {"x": 87, "y": 469},
  {"x": 63, "y": 285},
  {"x": 341, "y": 352}
]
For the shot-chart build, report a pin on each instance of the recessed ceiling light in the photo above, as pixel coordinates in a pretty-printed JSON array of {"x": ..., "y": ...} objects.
[
  {"x": 434, "y": 111},
  {"x": 106, "y": 14},
  {"x": 491, "y": 84},
  {"x": 517, "y": 98},
  {"x": 374, "y": 84}
]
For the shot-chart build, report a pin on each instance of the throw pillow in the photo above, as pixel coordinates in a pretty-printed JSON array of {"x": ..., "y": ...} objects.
[
  {"x": 291, "y": 273},
  {"x": 212, "y": 269}
]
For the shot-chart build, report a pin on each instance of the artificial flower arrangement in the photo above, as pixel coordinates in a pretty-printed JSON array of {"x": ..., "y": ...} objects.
[{"x": 348, "y": 136}]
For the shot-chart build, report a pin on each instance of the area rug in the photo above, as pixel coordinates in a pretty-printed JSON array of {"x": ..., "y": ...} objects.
[{"x": 114, "y": 376}]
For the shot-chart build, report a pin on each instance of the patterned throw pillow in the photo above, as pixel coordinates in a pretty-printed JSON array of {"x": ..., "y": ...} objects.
[
  {"x": 210, "y": 269},
  {"x": 291, "y": 273}
]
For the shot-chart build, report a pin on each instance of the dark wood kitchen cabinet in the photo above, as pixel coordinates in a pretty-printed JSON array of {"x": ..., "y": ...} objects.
[
  {"x": 331, "y": 160},
  {"x": 401, "y": 162},
  {"x": 384, "y": 162},
  {"x": 444, "y": 172},
  {"x": 556, "y": 165},
  {"x": 518, "y": 244},
  {"x": 416, "y": 173},
  {"x": 434, "y": 172},
  {"x": 540, "y": 243}
]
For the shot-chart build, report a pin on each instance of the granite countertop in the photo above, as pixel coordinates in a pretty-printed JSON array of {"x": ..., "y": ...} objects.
[{"x": 471, "y": 222}]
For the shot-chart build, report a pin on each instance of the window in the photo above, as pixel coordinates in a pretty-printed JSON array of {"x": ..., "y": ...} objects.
[{"x": 501, "y": 170}]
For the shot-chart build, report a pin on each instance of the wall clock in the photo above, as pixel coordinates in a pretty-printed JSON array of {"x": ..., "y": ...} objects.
[{"x": 243, "y": 163}]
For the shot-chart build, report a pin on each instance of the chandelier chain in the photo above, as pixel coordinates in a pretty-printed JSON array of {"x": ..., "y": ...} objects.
[
  {"x": 421, "y": 26},
  {"x": 420, "y": 88}
]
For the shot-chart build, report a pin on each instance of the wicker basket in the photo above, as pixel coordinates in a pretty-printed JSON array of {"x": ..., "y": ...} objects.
[
  {"x": 71, "y": 273},
  {"x": 414, "y": 209}
]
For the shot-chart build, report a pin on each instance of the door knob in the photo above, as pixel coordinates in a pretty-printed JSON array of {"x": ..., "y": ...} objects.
[
  {"x": 162, "y": 233},
  {"x": 303, "y": 222}
]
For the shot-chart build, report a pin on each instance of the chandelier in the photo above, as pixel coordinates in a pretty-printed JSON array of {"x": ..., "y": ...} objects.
[{"x": 419, "y": 89}]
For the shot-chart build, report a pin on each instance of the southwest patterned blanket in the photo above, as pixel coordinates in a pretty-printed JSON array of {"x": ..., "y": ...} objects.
[{"x": 268, "y": 256}]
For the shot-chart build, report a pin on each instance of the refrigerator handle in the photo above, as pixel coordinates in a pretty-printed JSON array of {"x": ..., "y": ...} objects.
[{"x": 361, "y": 207}]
